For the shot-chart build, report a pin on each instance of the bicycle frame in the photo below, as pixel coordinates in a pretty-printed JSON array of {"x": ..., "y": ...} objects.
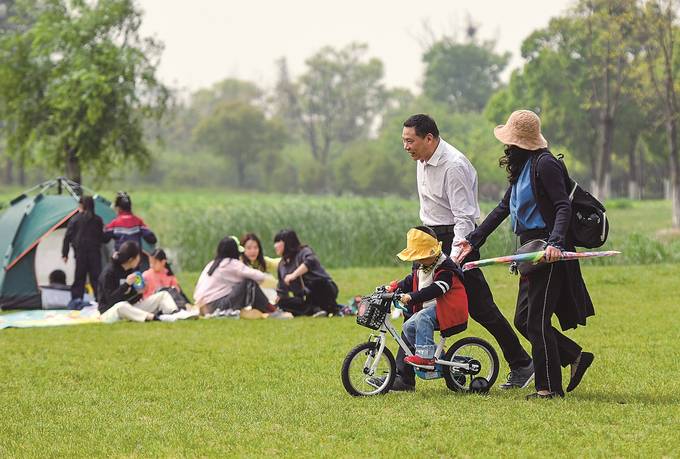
[{"x": 387, "y": 327}]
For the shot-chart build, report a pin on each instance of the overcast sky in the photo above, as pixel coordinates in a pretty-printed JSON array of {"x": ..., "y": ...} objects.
[{"x": 209, "y": 40}]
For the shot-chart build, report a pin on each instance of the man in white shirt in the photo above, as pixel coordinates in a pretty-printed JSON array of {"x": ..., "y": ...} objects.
[{"x": 447, "y": 187}]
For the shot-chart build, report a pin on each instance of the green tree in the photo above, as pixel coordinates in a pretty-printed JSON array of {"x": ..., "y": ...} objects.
[
  {"x": 660, "y": 33},
  {"x": 463, "y": 75},
  {"x": 240, "y": 132},
  {"x": 335, "y": 102},
  {"x": 76, "y": 83},
  {"x": 577, "y": 74}
]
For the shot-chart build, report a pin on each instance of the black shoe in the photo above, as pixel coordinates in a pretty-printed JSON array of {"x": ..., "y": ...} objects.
[
  {"x": 585, "y": 360},
  {"x": 536, "y": 396},
  {"x": 519, "y": 378},
  {"x": 400, "y": 386}
]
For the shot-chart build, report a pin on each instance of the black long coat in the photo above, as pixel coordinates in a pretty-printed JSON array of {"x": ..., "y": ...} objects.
[{"x": 549, "y": 184}]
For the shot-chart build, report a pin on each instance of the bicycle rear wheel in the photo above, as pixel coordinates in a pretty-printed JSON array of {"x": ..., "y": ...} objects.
[
  {"x": 357, "y": 376},
  {"x": 482, "y": 362}
]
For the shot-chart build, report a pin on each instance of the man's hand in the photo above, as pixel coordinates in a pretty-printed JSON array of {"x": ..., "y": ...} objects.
[
  {"x": 65, "y": 259},
  {"x": 552, "y": 254},
  {"x": 288, "y": 279},
  {"x": 465, "y": 249}
]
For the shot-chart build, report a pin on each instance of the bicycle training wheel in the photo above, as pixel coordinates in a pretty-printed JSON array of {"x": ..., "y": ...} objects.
[
  {"x": 482, "y": 362},
  {"x": 357, "y": 376}
]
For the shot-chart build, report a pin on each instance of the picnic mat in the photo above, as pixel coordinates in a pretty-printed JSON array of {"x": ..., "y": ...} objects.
[{"x": 49, "y": 318}]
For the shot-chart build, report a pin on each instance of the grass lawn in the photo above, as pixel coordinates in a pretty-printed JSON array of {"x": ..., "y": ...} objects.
[{"x": 249, "y": 388}]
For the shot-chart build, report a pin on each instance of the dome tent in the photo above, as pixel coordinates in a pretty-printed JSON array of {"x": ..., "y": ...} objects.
[{"x": 31, "y": 233}]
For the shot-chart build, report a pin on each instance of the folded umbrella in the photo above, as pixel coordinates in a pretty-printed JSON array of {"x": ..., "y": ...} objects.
[{"x": 535, "y": 257}]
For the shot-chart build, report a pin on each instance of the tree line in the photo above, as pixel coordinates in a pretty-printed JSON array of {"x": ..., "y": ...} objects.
[{"x": 79, "y": 94}]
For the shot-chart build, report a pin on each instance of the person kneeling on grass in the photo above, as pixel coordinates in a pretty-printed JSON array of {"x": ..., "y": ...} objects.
[
  {"x": 226, "y": 285},
  {"x": 433, "y": 293},
  {"x": 119, "y": 299},
  {"x": 300, "y": 273}
]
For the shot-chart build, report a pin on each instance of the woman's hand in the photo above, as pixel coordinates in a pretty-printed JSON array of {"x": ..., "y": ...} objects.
[
  {"x": 552, "y": 254},
  {"x": 405, "y": 298},
  {"x": 465, "y": 249},
  {"x": 289, "y": 278},
  {"x": 130, "y": 279}
]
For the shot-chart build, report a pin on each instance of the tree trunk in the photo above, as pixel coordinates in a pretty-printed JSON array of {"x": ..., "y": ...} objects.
[
  {"x": 672, "y": 130},
  {"x": 603, "y": 163},
  {"x": 73, "y": 171},
  {"x": 22, "y": 172},
  {"x": 241, "y": 173},
  {"x": 633, "y": 187},
  {"x": 9, "y": 173}
]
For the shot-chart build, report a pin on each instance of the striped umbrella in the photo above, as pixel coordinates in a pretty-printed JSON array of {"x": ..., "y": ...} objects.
[{"x": 535, "y": 257}]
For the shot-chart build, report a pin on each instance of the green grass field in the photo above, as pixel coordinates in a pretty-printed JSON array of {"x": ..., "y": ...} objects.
[{"x": 251, "y": 388}]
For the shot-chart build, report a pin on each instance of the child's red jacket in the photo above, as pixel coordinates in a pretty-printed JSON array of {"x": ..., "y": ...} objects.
[{"x": 448, "y": 290}]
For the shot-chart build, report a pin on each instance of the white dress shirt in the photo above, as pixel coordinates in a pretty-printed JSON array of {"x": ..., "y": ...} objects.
[{"x": 447, "y": 187}]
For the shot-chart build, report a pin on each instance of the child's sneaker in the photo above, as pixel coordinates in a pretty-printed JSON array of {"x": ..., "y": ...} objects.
[{"x": 419, "y": 361}]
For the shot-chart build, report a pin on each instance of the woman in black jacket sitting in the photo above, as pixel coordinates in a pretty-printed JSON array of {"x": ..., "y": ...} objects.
[
  {"x": 120, "y": 296},
  {"x": 301, "y": 274},
  {"x": 538, "y": 203}
]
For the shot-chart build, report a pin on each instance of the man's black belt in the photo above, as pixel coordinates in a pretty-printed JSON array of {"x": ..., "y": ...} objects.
[{"x": 441, "y": 230}]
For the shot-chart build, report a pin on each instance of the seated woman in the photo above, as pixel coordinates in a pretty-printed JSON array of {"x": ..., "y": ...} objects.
[
  {"x": 159, "y": 277},
  {"x": 119, "y": 299},
  {"x": 254, "y": 256},
  {"x": 300, "y": 273},
  {"x": 226, "y": 285}
]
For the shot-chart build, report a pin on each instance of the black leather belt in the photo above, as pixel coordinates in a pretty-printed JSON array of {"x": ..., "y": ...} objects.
[{"x": 441, "y": 230}]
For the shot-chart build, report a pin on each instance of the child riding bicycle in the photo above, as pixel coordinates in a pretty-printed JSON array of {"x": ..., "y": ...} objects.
[{"x": 433, "y": 294}]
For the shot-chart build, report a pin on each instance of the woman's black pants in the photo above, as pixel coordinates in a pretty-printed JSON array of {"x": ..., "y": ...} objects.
[
  {"x": 322, "y": 295},
  {"x": 539, "y": 293},
  {"x": 88, "y": 261}
]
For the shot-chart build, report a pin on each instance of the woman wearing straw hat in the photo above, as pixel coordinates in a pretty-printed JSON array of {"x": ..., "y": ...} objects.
[{"x": 538, "y": 203}]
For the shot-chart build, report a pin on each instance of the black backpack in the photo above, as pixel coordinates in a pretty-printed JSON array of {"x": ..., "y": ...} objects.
[{"x": 589, "y": 226}]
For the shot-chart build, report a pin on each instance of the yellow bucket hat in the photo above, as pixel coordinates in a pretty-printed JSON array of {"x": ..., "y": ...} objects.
[{"x": 419, "y": 245}]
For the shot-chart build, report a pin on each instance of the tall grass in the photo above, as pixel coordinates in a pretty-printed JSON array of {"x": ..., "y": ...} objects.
[{"x": 354, "y": 231}]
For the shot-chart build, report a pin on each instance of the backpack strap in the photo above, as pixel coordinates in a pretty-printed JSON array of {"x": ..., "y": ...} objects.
[{"x": 570, "y": 184}]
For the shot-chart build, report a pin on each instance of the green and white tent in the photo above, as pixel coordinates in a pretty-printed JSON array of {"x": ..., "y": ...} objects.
[{"x": 32, "y": 229}]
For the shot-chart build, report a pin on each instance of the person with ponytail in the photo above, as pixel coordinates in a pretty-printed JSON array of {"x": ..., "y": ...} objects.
[
  {"x": 159, "y": 277},
  {"x": 119, "y": 296},
  {"x": 85, "y": 234},
  {"x": 226, "y": 285}
]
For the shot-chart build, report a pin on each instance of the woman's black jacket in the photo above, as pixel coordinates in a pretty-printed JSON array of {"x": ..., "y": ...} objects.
[{"x": 549, "y": 184}]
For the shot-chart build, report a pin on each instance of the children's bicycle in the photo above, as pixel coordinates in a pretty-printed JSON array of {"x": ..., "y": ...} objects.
[{"x": 469, "y": 365}]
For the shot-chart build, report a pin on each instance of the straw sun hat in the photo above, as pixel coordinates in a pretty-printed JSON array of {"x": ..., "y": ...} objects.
[{"x": 522, "y": 129}]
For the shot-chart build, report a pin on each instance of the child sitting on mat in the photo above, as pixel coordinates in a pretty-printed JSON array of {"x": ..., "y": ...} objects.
[{"x": 433, "y": 293}]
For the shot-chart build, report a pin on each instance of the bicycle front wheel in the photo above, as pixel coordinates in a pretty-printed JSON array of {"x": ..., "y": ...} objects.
[{"x": 366, "y": 373}]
